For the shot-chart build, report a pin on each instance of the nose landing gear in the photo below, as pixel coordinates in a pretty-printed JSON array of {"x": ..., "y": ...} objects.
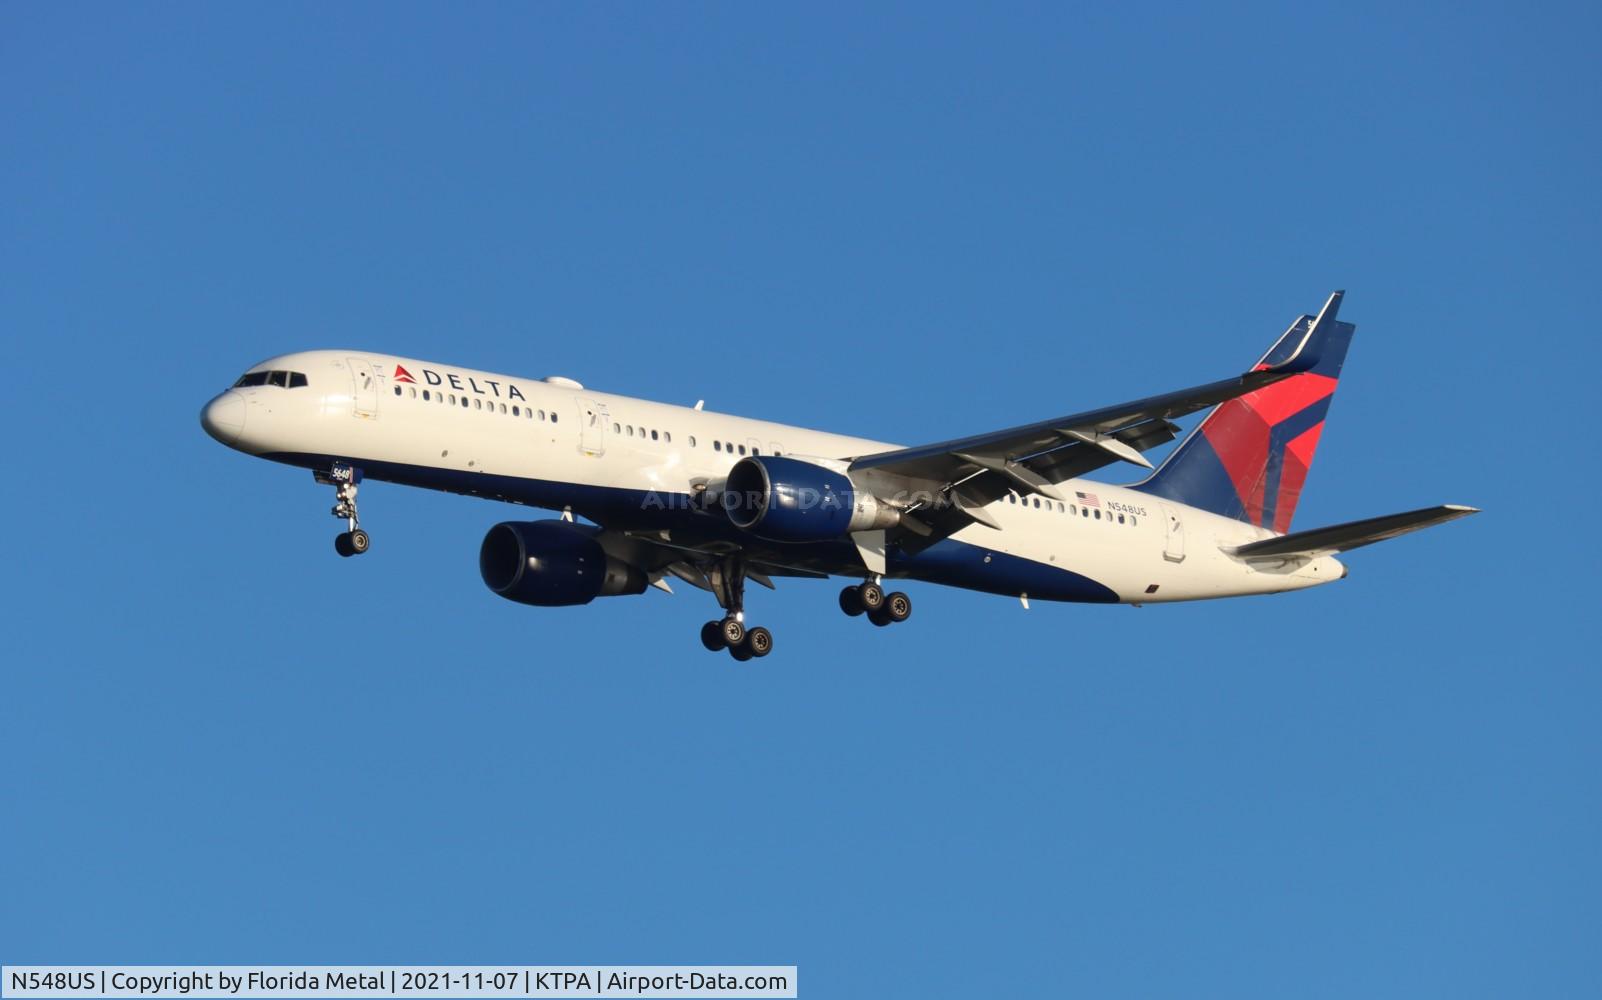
[
  {"x": 352, "y": 543},
  {"x": 345, "y": 479}
]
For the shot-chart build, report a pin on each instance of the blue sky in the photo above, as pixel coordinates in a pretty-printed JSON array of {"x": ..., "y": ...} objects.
[{"x": 224, "y": 744}]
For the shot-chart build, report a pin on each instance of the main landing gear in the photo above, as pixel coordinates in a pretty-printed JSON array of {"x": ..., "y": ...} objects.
[
  {"x": 345, "y": 479},
  {"x": 868, "y": 598},
  {"x": 728, "y": 585}
]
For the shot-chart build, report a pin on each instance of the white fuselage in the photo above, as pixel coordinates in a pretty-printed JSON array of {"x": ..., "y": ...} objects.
[{"x": 554, "y": 444}]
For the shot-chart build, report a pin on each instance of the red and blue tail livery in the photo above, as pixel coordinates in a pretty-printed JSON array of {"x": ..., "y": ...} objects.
[{"x": 1250, "y": 457}]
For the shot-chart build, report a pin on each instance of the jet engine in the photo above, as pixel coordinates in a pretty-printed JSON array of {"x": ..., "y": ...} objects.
[
  {"x": 552, "y": 564},
  {"x": 788, "y": 500}
]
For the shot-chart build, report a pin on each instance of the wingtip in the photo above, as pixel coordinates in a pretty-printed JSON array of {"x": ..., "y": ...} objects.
[
  {"x": 1461, "y": 508},
  {"x": 1332, "y": 305}
]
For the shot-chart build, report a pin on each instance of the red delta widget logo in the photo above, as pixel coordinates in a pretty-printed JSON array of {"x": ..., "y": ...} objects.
[{"x": 461, "y": 383}]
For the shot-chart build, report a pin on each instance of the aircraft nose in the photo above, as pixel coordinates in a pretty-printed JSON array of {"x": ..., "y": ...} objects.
[{"x": 224, "y": 417}]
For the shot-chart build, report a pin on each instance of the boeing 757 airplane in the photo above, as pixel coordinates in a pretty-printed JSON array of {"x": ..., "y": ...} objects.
[{"x": 715, "y": 501}]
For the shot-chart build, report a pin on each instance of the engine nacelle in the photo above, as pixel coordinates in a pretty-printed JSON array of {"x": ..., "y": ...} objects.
[
  {"x": 552, "y": 564},
  {"x": 788, "y": 500}
]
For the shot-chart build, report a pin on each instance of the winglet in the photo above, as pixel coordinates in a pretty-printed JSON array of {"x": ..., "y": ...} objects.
[{"x": 1311, "y": 350}]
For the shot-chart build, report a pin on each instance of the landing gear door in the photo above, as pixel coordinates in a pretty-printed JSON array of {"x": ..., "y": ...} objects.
[
  {"x": 592, "y": 427},
  {"x": 365, "y": 381},
  {"x": 1174, "y": 543}
]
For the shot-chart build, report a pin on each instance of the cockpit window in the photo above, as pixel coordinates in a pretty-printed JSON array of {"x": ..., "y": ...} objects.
[{"x": 284, "y": 380}]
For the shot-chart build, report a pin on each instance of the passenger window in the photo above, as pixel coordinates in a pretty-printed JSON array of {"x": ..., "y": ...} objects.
[
  {"x": 742, "y": 449},
  {"x": 1131, "y": 520},
  {"x": 515, "y": 411},
  {"x": 1060, "y": 508},
  {"x": 1072, "y": 510},
  {"x": 553, "y": 416},
  {"x": 1011, "y": 498},
  {"x": 1098, "y": 515},
  {"x": 631, "y": 430},
  {"x": 464, "y": 402},
  {"x": 654, "y": 436},
  {"x": 1120, "y": 519},
  {"x": 1037, "y": 503},
  {"x": 717, "y": 445},
  {"x": 478, "y": 404},
  {"x": 398, "y": 390},
  {"x": 667, "y": 437},
  {"x": 413, "y": 393},
  {"x": 453, "y": 399},
  {"x": 692, "y": 440},
  {"x": 1084, "y": 512}
]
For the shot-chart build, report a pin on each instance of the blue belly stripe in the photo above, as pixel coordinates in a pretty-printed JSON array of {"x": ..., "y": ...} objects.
[{"x": 948, "y": 562}]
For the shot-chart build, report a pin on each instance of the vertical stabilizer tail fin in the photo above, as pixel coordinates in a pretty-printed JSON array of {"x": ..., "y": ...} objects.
[{"x": 1249, "y": 457}]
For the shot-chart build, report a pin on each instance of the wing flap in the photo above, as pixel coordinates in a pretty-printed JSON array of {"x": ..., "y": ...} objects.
[
  {"x": 1046, "y": 437},
  {"x": 970, "y": 472},
  {"x": 1096, "y": 437}
]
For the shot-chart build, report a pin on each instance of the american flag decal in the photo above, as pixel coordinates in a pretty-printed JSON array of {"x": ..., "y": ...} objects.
[{"x": 1088, "y": 499}]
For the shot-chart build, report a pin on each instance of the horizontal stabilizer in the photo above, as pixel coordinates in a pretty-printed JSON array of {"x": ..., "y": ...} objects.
[{"x": 1352, "y": 535}]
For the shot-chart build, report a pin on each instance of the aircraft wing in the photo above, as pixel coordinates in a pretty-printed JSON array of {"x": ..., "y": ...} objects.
[
  {"x": 688, "y": 561},
  {"x": 1352, "y": 535},
  {"x": 975, "y": 471}
]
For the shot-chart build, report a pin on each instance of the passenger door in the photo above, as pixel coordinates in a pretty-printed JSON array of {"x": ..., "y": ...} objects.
[
  {"x": 592, "y": 427},
  {"x": 1174, "y": 542},
  {"x": 364, "y": 382}
]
